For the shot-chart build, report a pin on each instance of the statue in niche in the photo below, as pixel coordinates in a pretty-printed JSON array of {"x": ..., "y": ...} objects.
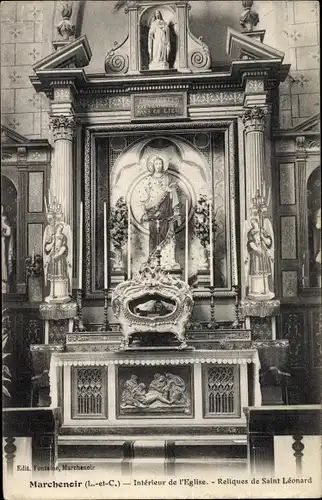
[
  {"x": 57, "y": 259},
  {"x": 6, "y": 252},
  {"x": 158, "y": 42},
  {"x": 164, "y": 391},
  {"x": 260, "y": 259},
  {"x": 161, "y": 207}
]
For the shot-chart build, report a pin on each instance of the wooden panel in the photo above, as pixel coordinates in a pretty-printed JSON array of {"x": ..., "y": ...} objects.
[
  {"x": 293, "y": 329},
  {"x": 287, "y": 184},
  {"x": 35, "y": 192},
  {"x": 288, "y": 237},
  {"x": 35, "y": 235},
  {"x": 289, "y": 283}
]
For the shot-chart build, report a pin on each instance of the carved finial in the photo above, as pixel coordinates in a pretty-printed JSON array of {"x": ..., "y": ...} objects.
[
  {"x": 249, "y": 18},
  {"x": 66, "y": 28}
]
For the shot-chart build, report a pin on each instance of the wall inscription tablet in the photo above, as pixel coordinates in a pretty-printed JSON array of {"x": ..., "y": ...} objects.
[{"x": 159, "y": 106}]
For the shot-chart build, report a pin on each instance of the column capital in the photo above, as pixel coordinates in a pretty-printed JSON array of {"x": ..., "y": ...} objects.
[
  {"x": 253, "y": 118},
  {"x": 63, "y": 127}
]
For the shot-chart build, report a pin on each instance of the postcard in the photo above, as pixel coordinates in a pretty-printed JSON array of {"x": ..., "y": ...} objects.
[{"x": 161, "y": 249}]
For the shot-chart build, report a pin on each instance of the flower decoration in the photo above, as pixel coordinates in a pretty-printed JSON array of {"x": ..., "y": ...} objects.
[
  {"x": 119, "y": 223},
  {"x": 201, "y": 221}
]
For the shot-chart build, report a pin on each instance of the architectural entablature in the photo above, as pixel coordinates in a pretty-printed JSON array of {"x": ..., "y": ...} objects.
[{"x": 253, "y": 61}]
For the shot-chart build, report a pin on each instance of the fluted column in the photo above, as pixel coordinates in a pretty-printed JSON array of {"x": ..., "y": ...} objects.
[
  {"x": 254, "y": 122},
  {"x": 61, "y": 182}
]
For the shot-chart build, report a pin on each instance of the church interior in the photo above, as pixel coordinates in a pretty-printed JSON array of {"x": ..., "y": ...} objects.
[{"x": 160, "y": 234}]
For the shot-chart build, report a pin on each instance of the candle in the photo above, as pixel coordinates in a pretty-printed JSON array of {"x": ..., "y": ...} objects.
[
  {"x": 33, "y": 257},
  {"x": 80, "y": 261},
  {"x": 128, "y": 241},
  {"x": 105, "y": 247},
  {"x": 269, "y": 196},
  {"x": 211, "y": 247},
  {"x": 186, "y": 265}
]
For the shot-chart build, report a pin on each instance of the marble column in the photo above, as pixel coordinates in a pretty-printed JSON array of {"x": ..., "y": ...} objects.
[
  {"x": 254, "y": 123},
  {"x": 61, "y": 182}
]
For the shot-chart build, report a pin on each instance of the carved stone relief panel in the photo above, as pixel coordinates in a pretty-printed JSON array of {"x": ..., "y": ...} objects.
[{"x": 154, "y": 392}]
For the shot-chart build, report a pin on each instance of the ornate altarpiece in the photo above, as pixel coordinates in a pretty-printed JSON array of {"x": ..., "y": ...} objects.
[{"x": 202, "y": 158}]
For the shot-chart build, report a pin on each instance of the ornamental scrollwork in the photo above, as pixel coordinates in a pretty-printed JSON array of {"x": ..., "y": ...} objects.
[
  {"x": 153, "y": 301},
  {"x": 199, "y": 59}
]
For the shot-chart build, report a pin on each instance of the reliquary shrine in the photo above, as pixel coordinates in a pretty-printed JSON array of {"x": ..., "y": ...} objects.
[{"x": 157, "y": 269}]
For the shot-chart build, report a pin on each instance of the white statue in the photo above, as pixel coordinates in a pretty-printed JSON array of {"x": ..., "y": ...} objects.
[
  {"x": 6, "y": 252},
  {"x": 260, "y": 260},
  {"x": 161, "y": 210},
  {"x": 158, "y": 42},
  {"x": 57, "y": 245}
]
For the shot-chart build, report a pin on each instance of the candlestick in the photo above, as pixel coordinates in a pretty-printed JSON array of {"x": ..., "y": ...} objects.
[
  {"x": 186, "y": 265},
  {"x": 80, "y": 261},
  {"x": 211, "y": 247},
  {"x": 212, "y": 324},
  {"x": 79, "y": 314},
  {"x": 128, "y": 241},
  {"x": 105, "y": 247}
]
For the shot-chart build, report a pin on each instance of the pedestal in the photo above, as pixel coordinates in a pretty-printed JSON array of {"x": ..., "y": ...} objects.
[
  {"x": 203, "y": 278},
  {"x": 158, "y": 66},
  {"x": 59, "y": 320},
  {"x": 116, "y": 277}
]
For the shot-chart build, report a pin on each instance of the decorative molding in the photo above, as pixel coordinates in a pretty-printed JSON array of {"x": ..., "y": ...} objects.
[
  {"x": 182, "y": 358},
  {"x": 250, "y": 47},
  {"x": 216, "y": 98},
  {"x": 260, "y": 308},
  {"x": 77, "y": 53},
  {"x": 87, "y": 210},
  {"x": 58, "y": 311}
]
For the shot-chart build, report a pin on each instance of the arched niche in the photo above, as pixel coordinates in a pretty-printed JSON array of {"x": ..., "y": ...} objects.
[
  {"x": 146, "y": 17},
  {"x": 314, "y": 226},
  {"x": 8, "y": 235}
]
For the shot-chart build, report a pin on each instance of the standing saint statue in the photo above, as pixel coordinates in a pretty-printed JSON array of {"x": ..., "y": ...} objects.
[
  {"x": 161, "y": 210},
  {"x": 158, "y": 42},
  {"x": 57, "y": 259},
  {"x": 260, "y": 260},
  {"x": 6, "y": 252}
]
